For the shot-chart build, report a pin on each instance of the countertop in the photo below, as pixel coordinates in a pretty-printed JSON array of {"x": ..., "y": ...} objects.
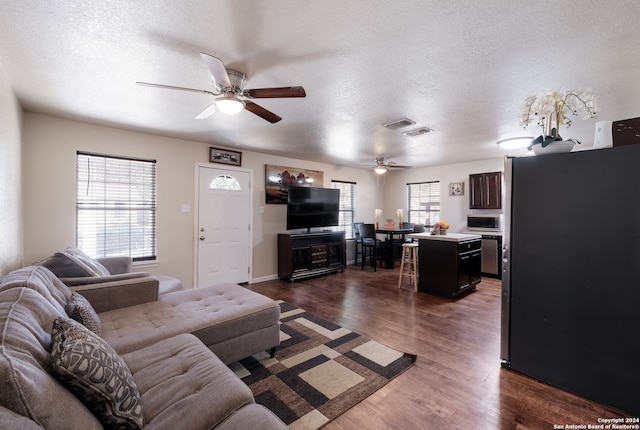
[{"x": 450, "y": 237}]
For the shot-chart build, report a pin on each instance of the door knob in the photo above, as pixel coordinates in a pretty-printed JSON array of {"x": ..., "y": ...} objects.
[
  {"x": 201, "y": 228},
  {"x": 201, "y": 237}
]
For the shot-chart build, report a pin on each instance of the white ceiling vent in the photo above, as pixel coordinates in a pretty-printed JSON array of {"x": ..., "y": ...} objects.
[
  {"x": 404, "y": 122},
  {"x": 418, "y": 131}
]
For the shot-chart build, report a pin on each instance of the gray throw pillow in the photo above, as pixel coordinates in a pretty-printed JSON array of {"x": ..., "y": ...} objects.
[
  {"x": 79, "y": 308},
  {"x": 91, "y": 262},
  {"x": 66, "y": 266},
  {"x": 96, "y": 374}
]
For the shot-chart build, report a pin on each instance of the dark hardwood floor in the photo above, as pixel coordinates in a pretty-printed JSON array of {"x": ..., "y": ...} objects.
[{"x": 457, "y": 381}]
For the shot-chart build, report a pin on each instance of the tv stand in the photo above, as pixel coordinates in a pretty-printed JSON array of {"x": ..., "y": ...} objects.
[{"x": 311, "y": 254}]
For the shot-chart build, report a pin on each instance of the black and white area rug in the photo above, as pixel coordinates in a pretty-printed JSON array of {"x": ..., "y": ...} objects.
[{"x": 320, "y": 370}]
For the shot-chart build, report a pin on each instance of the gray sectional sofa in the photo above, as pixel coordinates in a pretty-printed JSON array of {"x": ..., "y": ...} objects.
[{"x": 147, "y": 365}]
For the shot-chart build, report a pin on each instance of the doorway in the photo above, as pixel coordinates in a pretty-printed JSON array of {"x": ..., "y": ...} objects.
[{"x": 223, "y": 225}]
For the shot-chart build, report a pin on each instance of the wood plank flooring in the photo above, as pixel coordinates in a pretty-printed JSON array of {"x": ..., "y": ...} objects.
[{"x": 457, "y": 381}]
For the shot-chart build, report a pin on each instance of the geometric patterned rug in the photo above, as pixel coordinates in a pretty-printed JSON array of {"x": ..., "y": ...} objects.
[{"x": 320, "y": 370}]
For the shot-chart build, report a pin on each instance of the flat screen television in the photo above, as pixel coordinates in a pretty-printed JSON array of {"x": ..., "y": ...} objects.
[{"x": 309, "y": 207}]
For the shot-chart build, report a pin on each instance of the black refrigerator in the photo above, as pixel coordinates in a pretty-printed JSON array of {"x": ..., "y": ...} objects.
[{"x": 571, "y": 278}]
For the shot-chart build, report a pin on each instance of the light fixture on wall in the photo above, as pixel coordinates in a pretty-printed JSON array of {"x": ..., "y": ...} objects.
[
  {"x": 515, "y": 142},
  {"x": 229, "y": 104}
]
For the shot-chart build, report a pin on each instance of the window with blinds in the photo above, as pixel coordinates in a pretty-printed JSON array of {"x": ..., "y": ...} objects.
[
  {"x": 116, "y": 206},
  {"x": 347, "y": 207},
  {"x": 424, "y": 203}
]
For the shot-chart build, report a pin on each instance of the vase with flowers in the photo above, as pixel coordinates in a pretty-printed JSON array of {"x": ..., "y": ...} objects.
[
  {"x": 441, "y": 227},
  {"x": 551, "y": 110}
]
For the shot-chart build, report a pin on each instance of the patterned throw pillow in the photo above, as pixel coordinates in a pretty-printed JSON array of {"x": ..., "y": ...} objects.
[
  {"x": 96, "y": 374},
  {"x": 79, "y": 308}
]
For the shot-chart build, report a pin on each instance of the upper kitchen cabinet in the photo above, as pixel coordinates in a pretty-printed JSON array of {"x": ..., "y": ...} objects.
[{"x": 485, "y": 190}]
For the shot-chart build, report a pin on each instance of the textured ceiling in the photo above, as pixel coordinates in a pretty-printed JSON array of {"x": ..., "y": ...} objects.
[{"x": 462, "y": 68}]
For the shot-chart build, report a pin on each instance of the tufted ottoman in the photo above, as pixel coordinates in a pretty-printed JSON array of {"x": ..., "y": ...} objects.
[{"x": 229, "y": 319}]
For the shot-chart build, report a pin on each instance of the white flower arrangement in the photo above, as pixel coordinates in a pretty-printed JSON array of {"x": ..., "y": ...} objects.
[{"x": 551, "y": 110}]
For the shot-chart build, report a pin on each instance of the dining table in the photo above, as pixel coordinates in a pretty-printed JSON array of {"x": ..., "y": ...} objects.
[{"x": 395, "y": 237}]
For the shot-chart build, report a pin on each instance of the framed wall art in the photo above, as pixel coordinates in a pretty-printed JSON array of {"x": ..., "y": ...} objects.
[
  {"x": 279, "y": 178},
  {"x": 456, "y": 189},
  {"x": 225, "y": 156}
]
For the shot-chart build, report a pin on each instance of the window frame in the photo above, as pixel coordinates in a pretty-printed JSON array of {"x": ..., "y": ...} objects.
[
  {"x": 427, "y": 211},
  {"x": 346, "y": 213},
  {"x": 117, "y": 215}
]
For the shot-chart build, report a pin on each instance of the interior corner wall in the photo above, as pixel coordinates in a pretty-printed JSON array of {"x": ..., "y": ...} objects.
[
  {"x": 50, "y": 146},
  {"x": 11, "y": 230}
]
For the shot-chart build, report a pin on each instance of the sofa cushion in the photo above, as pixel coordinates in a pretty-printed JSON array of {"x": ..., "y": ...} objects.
[
  {"x": 26, "y": 386},
  {"x": 183, "y": 385},
  {"x": 79, "y": 308},
  {"x": 42, "y": 280},
  {"x": 11, "y": 420},
  {"x": 252, "y": 416},
  {"x": 95, "y": 373},
  {"x": 215, "y": 314},
  {"x": 87, "y": 260}
]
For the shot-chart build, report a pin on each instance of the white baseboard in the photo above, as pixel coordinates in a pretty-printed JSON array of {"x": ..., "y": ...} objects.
[{"x": 264, "y": 279}]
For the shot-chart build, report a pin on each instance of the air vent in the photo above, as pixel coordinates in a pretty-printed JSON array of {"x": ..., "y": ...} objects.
[
  {"x": 418, "y": 131},
  {"x": 404, "y": 122}
]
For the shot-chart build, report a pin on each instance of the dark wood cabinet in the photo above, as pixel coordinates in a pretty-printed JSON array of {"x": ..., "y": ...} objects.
[
  {"x": 485, "y": 190},
  {"x": 311, "y": 254},
  {"x": 448, "y": 268}
]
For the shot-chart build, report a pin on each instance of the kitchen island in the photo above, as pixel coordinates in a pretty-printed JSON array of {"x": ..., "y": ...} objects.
[{"x": 448, "y": 265}]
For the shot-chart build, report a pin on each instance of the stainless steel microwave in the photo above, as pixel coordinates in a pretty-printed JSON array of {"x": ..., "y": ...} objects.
[{"x": 484, "y": 222}]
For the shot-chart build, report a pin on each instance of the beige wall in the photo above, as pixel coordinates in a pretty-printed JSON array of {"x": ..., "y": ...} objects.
[
  {"x": 48, "y": 189},
  {"x": 11, "y": 250},
  {"x": 50, "y": 146},
  {"x": 452, "y": 208}
]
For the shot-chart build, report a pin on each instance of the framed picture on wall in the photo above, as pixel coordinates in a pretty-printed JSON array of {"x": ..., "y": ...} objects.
[
  {"x": 456, "y": 189},
  {"x": 225, "y": 156},
  {"x": 279, "y": 178}
]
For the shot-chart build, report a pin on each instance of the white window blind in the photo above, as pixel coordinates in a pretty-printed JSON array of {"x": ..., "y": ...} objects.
[
  {"x": 116, "y": 206},
  {"x": 424, "y": 203},
  {"x": 347, "y": 206}
]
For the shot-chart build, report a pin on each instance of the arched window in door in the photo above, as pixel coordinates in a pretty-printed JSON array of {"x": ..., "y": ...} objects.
[{"x": 225, "y": 182}]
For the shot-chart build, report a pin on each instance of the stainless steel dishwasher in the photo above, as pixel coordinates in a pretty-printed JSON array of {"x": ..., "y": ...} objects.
[{"x": 491, "y": 247}]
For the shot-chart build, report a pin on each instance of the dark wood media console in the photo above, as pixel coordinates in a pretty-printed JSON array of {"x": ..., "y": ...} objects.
[{"x": 311, "y": 254}]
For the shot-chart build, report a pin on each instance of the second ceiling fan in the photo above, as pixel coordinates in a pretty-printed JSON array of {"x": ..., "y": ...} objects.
[
  {"x": 382, "y": 165},
  {"x": 230, "y": 92}
]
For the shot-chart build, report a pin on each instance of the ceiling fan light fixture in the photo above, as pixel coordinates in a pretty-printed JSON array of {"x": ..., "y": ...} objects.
[
  {"x": 380, "y": 170},
  {"x": 229, "y": 105}
]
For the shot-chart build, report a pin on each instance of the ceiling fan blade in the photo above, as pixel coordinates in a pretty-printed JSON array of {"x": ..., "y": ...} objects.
[
  {"x": 217, "y": 69},
  {"x": 261, "y": 112},
  {"x": 281, "y": 92},
  {"x": 206, "y": 113},
  {"x": 171, "y": 87},
  {"x": 396, "y": 166}
]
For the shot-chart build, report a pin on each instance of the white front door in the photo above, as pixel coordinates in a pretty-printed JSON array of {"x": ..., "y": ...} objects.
[{"x": 223, "y": 226}]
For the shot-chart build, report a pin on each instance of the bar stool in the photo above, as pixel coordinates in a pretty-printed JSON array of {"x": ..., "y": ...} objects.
[{"x": 410, "y": 255}]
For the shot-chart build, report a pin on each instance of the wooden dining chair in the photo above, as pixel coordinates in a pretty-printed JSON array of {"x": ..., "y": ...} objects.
[
  {"x": 417, "y": 228},
  {"x": 358, "y": 240},
  {"x": 372, "y": 247}
]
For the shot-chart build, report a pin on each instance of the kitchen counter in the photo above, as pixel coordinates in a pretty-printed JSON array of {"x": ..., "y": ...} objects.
[
  {"x": 449, "y": 237},
  {"x": 448, "y": 265}
]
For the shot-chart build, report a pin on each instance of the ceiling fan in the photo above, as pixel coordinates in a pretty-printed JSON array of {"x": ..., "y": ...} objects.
[
  {"x": 382, "y": 165},
  {"x": 230, "y": 92}
]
